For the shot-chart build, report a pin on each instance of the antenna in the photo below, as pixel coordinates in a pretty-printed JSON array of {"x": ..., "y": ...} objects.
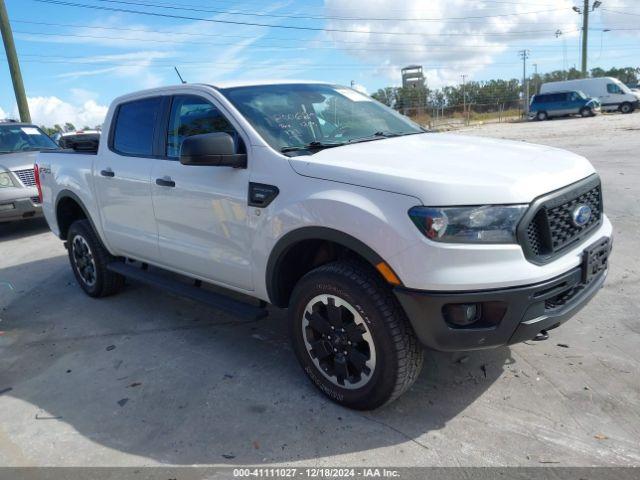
[{"x": 179, "y": 76}]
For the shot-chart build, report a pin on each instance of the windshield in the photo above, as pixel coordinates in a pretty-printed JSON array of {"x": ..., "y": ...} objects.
[
  {"x": 24, "y": 138},
  {"x": 623, "y": 87},
  {"x": 581, "y": 94},
  {"x": 302, "y": 118}
]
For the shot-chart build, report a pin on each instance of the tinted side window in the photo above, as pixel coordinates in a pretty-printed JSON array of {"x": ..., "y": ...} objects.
[
  {"x": 135, "y": 124},
  {"x": 613, "y": 88},
  {"x": 541, "y": 98},
  {"x": 191, "y": 115}
]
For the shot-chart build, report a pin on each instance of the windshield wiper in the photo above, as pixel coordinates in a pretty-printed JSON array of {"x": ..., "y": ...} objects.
[
  {"x": 310, "y": 146},
  {"x": 375, "y": 136},
  {"x": 380, "y": 135}
]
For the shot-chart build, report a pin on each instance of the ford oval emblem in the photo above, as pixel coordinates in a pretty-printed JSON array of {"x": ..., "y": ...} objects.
[{"x": 581, "y": 215}]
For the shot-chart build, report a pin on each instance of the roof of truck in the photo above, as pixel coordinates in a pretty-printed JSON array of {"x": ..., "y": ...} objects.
[
  {"x": 217, "y": 86},
  {"x": 253, "y": 83}
]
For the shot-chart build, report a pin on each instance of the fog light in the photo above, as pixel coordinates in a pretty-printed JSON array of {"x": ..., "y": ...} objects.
[{"x": 462, "y": 314}]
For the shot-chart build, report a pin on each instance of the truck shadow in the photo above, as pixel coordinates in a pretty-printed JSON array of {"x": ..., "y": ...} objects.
[
  {"x": 176, "y": 382},
  {"x": 22, "y": 228}
]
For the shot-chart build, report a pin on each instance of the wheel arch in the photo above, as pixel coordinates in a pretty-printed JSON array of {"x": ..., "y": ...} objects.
[
  {"x": 69, "y": 208},
  {"x": 315, "y": 246}
]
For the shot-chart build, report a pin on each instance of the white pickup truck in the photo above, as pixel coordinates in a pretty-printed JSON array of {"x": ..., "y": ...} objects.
[{"x": 379, "y": 238}]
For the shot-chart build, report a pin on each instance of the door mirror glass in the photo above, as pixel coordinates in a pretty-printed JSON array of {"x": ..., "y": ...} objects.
[{"x": 213, "y": 149}]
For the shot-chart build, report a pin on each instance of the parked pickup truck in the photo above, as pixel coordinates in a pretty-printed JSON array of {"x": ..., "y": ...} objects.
[{"x": 379, "y": 238}]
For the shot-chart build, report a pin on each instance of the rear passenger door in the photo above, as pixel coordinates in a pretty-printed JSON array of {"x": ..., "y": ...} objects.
[
  {"x": 201, "y": 211},
  {"x": 123, "y": 179},
  {"x": 561, "y": 104}
]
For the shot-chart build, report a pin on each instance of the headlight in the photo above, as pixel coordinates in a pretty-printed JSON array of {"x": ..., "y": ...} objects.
[
  {"x": 6, "y": 180},
  {"x": 481, "y": 224}
]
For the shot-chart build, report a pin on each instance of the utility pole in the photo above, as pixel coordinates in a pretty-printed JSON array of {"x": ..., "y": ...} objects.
[
  {"x": 585, "y": 36},
  {"x": 14, "y": 66},
  {"x": 464, "y": 94},
  {"x": 564, "y": 52},
  {"x": 524, "y": 54},
  {"x": 535, "y": 76},
  {"x": 585, "y": 29}
]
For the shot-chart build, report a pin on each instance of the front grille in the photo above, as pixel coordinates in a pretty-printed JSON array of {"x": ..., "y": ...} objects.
[
  {"x": 27, "y": 177},
  {"x": 549, "y": 228}
]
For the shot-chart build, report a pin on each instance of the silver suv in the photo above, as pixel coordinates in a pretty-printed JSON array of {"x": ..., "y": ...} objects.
[{"x": 19, "y": 146}]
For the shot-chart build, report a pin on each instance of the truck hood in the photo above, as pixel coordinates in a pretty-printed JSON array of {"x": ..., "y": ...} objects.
[
  {"x": 17, "y": 160},
  {"x": 445, "y": 169}
]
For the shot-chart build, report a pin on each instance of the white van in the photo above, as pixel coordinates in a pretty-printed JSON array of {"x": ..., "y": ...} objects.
[{"x": 612, "y": 93}]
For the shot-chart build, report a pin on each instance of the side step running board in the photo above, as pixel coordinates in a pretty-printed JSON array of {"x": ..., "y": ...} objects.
[{"x": 216, "y": 300}]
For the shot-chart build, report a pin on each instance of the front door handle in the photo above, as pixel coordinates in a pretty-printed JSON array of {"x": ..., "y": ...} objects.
[
  {"x": 165, "y": 182},
  {"x": 107, "y": 173}
]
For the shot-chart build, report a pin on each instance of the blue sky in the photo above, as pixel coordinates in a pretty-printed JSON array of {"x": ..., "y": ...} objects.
[{"x": 75, "y": 60}]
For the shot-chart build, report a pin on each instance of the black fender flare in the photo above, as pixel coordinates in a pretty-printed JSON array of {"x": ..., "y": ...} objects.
[
  {"x": 62, "y": 194},
  {"x": 286, "y": 242}
]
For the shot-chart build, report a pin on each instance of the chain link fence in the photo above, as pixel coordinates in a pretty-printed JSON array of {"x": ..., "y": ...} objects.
[{"x": 457, "y": 116}]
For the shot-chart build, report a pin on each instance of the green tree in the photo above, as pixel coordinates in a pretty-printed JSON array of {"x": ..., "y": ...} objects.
[{"x": 388, "y": 96}]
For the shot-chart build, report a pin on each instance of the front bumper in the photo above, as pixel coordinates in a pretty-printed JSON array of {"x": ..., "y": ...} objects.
[
  {"x": 19, "y": 209},
  {"x": 523, "y": 311}
]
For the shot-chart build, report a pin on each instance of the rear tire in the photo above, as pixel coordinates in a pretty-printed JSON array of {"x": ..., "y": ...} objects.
[
  {"x": 626, "y": 108},
  {"x": 352, "y": 337},
  {"x": 541, "y": 116},
  {"x": 89, "y": 259}
]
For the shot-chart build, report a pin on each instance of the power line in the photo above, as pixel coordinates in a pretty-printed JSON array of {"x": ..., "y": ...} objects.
[
  {"x": 227, "y": 22},
  {"x": 105, "y": 60},
  {"x": 280, "y": 46},
  {"x": 440, "y": 34},
  {"x": 315, "y": 17},
  {"x": 622, "y": 13}
]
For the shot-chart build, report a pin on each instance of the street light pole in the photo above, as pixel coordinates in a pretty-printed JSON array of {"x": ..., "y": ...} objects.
[
  {"x": 14, "y": 65},
  {"x": 524, "y": 54},
  {"x": 585, "y": 29},
  {"x": 585, "y": 36}
]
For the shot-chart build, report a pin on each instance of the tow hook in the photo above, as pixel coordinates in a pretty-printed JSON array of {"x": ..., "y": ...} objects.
[{"x": 543, "y": 335}]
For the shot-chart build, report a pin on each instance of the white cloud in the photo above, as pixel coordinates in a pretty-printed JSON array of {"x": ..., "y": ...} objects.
[
  {"x": 443, "y": 55},
  {"x": 3, "y": 114},
  {"x": 49, "y": 111}
]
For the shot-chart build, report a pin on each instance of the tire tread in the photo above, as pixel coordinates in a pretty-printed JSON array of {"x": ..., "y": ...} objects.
[
  {"x": 409, "y": 352},
  {"x": 110, "y": 283}
]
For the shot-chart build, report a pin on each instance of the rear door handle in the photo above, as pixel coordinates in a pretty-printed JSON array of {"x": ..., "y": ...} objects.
[
  {"x": 165, "y": 182},
  {"x": 107, "y": 173}
]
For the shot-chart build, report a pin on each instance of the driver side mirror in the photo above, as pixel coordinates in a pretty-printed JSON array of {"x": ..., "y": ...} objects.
[{"x": 212, "y": 149}]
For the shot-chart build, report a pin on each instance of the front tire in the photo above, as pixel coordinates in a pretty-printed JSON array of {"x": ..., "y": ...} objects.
[
  {"x": 542, "y": 116},
  {"x": 351, "y": 336},
  {"x": 626, "y": 108},
  {"x": 89, "y": 259},
  {"x": 586, "y": 112}
]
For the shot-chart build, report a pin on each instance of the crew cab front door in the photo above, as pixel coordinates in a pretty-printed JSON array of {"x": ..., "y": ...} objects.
[
  {"x": 201, "y": 211},
  {"x": 123, "y": 179}
]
